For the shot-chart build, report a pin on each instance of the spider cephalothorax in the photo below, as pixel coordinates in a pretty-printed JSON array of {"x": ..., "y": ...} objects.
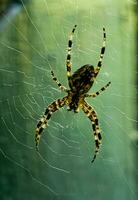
[{"x": 80, "y": 83}]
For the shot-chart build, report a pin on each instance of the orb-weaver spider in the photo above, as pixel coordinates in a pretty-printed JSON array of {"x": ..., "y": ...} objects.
[{"x": 80, "y": 83}]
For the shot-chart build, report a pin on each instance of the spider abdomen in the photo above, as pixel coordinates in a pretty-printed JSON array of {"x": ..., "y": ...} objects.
[{"x": 82, "y": 79}]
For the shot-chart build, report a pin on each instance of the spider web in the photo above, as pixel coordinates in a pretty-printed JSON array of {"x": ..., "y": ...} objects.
[{"x": 32, "y": 44}]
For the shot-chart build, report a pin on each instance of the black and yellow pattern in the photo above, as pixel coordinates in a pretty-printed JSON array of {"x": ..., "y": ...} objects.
[
  {"x": 79, "y": 83},
  {"x": 92, "y": 115},
  {"x": 53, "y": 107},
  {"x": 62, "y": 87},
  {"x": 97, "y": 69},
  {"x": 98, "y": 92},
  {"x": 68, "y": 60}
]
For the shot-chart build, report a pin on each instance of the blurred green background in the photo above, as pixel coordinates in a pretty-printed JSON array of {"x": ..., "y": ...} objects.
[{"x": 33, "y": 40}]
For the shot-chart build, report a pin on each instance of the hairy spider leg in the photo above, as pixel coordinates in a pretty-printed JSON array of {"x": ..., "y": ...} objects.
[
  {"x": 62, "y": 87},
  {"x": 68, "y": 59},
  {"x": 53, "y": 107},
  {"x": 92, "y": 115},
  {"x": 99, "y": 91},
  {"x": 97, "y": 69}
]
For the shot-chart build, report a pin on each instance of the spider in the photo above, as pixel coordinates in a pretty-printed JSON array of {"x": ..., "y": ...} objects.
[{"x": 79, "y": 83}]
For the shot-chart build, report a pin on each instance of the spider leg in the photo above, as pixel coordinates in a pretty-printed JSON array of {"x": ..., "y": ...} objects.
[
  {"x": 99, "y": 91},
  {"x": 68, "y": 59},
  {"x": 92, "y": 115},
  {"x": 62, "y": 87},
  {"x": 53, "y": 107},
  {"x": 97, "y": 69}
]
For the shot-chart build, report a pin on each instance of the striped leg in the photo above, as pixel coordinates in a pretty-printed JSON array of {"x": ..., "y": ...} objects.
[
  {"x": 92, "y": 115},
  {"x": 47, "y": 115},
  {"x": 68, "y": 59},
  {"x": 98, "y": 92},
  {"x": 97, "y": 69},
  {"x": 62, "y": 87}
]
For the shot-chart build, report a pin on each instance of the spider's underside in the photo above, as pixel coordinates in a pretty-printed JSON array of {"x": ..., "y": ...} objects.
[{"x": 80, "y": 83}]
